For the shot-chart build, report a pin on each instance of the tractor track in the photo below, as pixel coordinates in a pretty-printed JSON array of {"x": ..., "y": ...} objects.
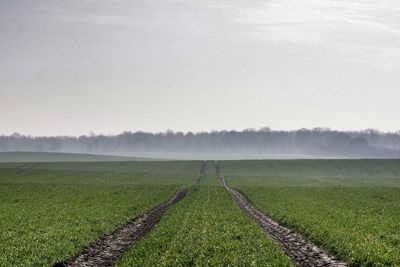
[
  {"x": 302, "y": 252},
  {"x": 201, "y": 174},
  {"x": 110, "y": 247}
]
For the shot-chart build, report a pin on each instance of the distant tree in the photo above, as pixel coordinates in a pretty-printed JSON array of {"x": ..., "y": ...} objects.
[
  {"x": 265, "y": 130},
  {"x": 359, "y": 142},
  {"x": 317, "y": 141}
]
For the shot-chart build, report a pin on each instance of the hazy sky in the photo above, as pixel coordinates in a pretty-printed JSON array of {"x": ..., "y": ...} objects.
[{"x": 71, "y": 67}]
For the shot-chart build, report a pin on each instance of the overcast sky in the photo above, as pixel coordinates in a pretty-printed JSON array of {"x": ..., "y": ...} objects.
[{"x": 71, "y": 67}]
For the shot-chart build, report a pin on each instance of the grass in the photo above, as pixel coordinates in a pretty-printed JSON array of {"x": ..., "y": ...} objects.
[
  {"x": 349, "y": 207},
  {"x": 151, "y": 172},
  {"x": 205, "y": 229},
  {"x": 48, "y": 211}
]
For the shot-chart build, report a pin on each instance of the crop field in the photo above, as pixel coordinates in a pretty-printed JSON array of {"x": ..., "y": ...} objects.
[
  {"x": 206, "y": 229},
  {"x": 50, "y": 210},
  {"x": 350, "y": 208}
]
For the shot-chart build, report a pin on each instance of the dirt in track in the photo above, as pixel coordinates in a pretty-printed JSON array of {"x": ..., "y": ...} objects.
[
  {"x": 302, "y": 252},
  {"x": 201, "y": 173},
  {"x": 109, "y": 248}
]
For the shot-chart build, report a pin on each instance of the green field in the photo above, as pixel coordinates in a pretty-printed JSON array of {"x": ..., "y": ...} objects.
[
  {"x": 50, "y": 210},
  {"x": 206, "y": 229},
  {"x": 349, "y": 207}
]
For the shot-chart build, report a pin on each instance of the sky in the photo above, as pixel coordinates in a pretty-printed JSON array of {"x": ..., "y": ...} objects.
[{"x": 75, "y": 67}]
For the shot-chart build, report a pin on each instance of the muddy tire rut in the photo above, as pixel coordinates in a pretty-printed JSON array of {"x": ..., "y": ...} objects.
[
  {"x": 201, "y": 173},
  {"x": 110, "y": 247},
  {"x": 302, "y": 252}
]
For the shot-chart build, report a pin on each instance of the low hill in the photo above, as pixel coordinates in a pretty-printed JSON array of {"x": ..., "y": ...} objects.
[{"x": 61, "y": 157}]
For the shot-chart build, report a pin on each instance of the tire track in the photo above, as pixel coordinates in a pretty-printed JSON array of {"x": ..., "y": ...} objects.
[
  {"x": 109, "y": 248},
  {"x": 217, "y": 169},
  {"x": 201, "y": 173},
  {"x": 302, "y": 252}
]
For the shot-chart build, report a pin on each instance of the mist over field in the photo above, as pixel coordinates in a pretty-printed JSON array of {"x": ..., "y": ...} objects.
[{"x": 318, "y": 142}]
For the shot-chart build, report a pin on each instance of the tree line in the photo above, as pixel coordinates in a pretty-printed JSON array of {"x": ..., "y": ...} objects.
[{"x": 316, "y": 142}]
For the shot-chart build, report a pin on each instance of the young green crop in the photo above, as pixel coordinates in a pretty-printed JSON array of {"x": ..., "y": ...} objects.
[
  {"x": 152, "y": 172},
  {"x": 313, "y": 173},
  {"x": 205, "y": 229},
  {"x": 50, "y": 211},
  {"x": 350, "y": 208}
]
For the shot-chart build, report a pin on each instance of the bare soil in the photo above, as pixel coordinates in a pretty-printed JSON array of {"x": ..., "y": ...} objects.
[
  {"x": 302, "y": 252},
  {"x": 110, "y": 247},
  {"x": 201, "y": 173}
]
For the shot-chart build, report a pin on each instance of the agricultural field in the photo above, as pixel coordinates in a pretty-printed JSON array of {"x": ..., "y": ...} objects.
[
  {"x": 49, "y": 211},
  {"x": 351, "y": 208},
  {"x": 205, "y": 229}
]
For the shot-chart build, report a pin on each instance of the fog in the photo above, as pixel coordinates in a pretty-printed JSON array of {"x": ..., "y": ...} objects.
[{"x": 250, "y": 143}]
